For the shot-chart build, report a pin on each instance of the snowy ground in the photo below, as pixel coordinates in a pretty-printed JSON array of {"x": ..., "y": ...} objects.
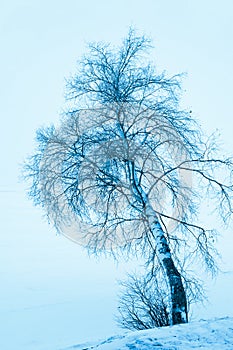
[{"x": 214, "y": 334}]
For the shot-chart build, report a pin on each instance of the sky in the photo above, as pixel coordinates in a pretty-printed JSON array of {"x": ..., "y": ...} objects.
[{"x": 51, "y": 289}]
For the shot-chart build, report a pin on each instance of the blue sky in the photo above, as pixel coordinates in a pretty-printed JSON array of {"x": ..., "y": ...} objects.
[{"x": 51, "y": 287}]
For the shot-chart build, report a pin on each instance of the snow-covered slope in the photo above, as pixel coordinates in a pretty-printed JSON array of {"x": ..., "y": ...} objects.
[{"x": 216, "y": 334}]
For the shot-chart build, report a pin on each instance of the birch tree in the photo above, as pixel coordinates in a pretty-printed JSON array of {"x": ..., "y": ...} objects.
[{"x": 127, "y": 168}]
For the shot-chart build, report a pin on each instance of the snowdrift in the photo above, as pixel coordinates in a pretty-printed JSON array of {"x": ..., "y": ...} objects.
[{"x": 212, "y": 334}]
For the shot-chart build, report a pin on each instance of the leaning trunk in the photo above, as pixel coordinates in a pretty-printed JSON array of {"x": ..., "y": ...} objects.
[{"x": 178, "y": 296}]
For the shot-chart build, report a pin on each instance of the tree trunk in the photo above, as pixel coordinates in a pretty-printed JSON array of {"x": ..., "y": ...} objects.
[
  {"x": 178, "y": 296},
  {"x": 179, "y": 312}
]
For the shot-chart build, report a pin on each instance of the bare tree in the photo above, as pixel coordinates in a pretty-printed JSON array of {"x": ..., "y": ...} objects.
[{"x": 128, "y": 169}]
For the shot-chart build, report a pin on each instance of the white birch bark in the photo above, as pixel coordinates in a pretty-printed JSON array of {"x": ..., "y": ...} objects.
[{"x": 177, "y": 292}]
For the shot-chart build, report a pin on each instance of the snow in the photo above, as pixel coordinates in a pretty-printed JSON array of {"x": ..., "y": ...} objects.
[{"x": 212, "y": 334}]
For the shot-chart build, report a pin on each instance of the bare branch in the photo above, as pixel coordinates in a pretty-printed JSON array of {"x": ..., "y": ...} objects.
[{"x": 127, "y": 169}]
